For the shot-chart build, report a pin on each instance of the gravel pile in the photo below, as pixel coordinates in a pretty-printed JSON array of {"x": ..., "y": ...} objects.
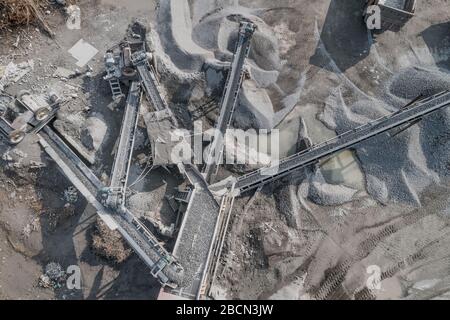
[
  {"x": 413, "y": 82},
  {"x": 54, "y": 276},
  {"x": 54, "y": 271},
  {"x": 71, "y": 195},
  {"x": 399, "y": 168}
]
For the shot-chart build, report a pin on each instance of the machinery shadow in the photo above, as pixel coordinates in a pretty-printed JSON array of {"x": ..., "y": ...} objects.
[
  {"x": 67, "y": 238},
  {"x": 344, "y": 40},
  {"x": 58, "y": 225},
  {"x": 437, "y": 38}
]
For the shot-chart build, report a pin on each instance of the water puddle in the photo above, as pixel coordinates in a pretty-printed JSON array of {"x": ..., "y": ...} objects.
[{"x": 342, "y": 168}]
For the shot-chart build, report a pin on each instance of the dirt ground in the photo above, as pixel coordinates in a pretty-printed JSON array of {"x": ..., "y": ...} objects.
[
  {"x": 284, "y": 246},
  {"x": 32, "y": 236},
  {"x": 281, "y": 244}
]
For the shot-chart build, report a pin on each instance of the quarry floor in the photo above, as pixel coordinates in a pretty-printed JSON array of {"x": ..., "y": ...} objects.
[
  {"x": 325, "y": 256},
  {"x": 54, "y": 236}
]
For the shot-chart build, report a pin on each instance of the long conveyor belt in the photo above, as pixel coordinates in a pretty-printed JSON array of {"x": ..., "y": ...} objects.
[
  {"x": 122, "y": 161},
  {"x": 406, "y": 115},
  {"x": 162, "y": 264},
  {"x": 230, "y": 97}
]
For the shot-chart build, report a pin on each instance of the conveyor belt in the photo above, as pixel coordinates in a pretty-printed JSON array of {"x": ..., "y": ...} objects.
[
  {"x": 151, "y": 88},
  {"x": 230, "y": 97},
  {"x": 195, "y": 240},
  {"x": 122, "y": 161},
  {"x": 162, "y": 264},
  {"x": 344, "y": 141}
]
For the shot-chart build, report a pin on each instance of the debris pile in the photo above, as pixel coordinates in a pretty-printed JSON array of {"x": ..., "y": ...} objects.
[
  {"x": 13, "y": 158},
  {"x": 13, "y": 73},
  {"x": 56, "y": 216},
  {"x": 23, "y": 12},
  {"x": 16, "y": 12},
  {"x": 109, "y": 244},
  {"x": 54, "y": 276},
  {"x": 71, "y": 195}
]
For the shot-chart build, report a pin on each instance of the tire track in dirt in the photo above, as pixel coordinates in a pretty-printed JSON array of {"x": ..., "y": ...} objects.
[{"x": 331, "y": 285}]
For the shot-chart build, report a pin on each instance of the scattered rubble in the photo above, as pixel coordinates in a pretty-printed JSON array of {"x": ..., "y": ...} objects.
[
  {"x": 14, "y": 158},
  {"x": 109, "y": 244},
  {"x": 13, "y": 73},
  {"x": 65, "y": 73},
  {"x": 71, "y": 195},
  {"x": 74, "y": 17},
  {"x": 54, "y": 276},
  {"x": 30, "y": 227}
]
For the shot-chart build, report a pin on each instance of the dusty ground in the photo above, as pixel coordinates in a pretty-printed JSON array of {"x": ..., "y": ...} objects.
[
  {"x": 282, "y": 244},
  {"x": 31, "y": 237},
  {"x": 295, "y": 239}
]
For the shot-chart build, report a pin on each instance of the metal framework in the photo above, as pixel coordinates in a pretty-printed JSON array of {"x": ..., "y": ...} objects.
[{"x": 230, "y": 97}]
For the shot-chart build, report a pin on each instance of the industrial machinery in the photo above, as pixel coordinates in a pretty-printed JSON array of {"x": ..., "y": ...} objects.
[
  {"x": 394, "y": 14},
  {"x": 121, "y": 61},
  {"x": 26, "y": 114}
]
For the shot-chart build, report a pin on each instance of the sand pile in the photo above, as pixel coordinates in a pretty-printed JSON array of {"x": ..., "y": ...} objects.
[{"x": 200, "y": 37}]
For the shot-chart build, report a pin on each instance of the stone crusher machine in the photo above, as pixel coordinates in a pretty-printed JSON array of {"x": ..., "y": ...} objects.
[
  {"x": 27, "y": 114},
  {"x": 122, "y": 59},
  {"x": 394, "y": 14}
]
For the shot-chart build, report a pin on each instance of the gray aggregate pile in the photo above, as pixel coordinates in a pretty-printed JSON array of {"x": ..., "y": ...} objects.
[
  {"x": 413, "y": 82},
  {"x": 54, "y": 271},
  {"x": 398, "y": 168}
]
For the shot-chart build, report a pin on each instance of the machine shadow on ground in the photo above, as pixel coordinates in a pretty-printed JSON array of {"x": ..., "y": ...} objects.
[
  {"x": 437, "y": 38},
  {"x": 66, "y": 239},
  {"x": 344, "y": 37}
]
